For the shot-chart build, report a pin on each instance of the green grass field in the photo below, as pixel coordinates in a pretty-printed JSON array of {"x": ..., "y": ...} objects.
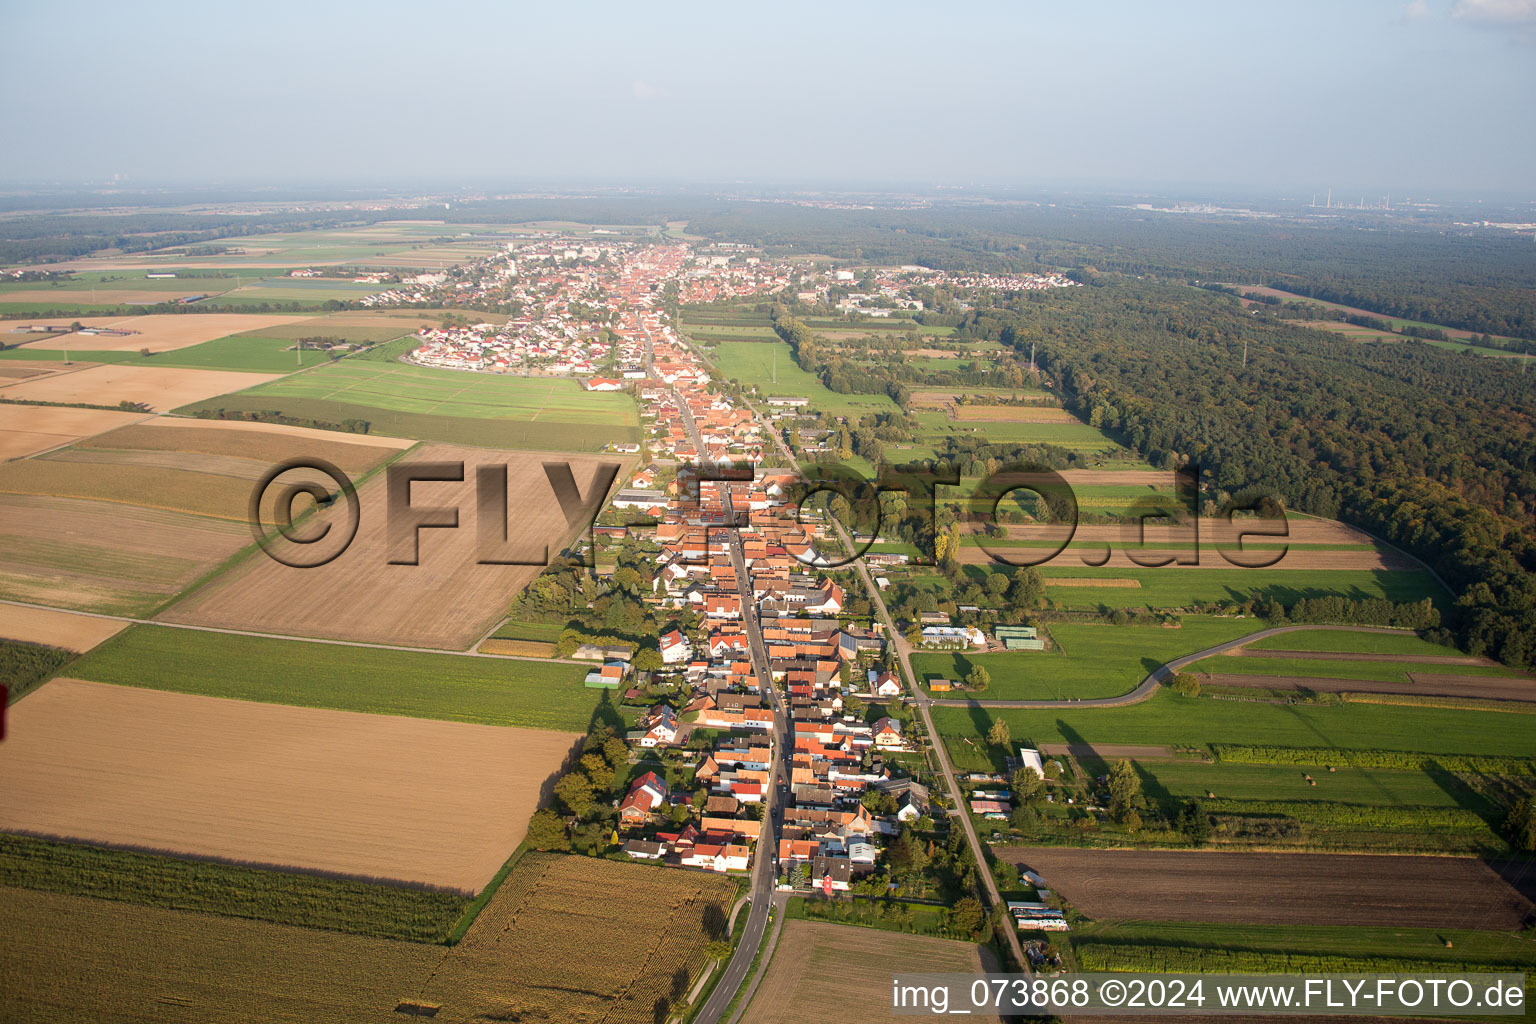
[
  {"x": 1183, "y": 779},
  {"x": 490, "y": 410},
  {"x": 1091, "y": 659},
  {"x": 1178, "y": 588},
  {"x": 1388, "y": 671},
  {"x": 1343, "y": 641},
  {"x": 1168, "y": 719},
  {"x": 491, "y": 691},
  {"x": 771, "y": 368}
]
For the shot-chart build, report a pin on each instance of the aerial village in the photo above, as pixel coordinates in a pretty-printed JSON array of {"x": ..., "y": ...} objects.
[{"x": 769, "y": 691}]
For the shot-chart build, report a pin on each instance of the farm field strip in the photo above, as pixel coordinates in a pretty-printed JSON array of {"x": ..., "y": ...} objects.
[
  {"x": 1285, "y": 888},
  {"x": 798, "y": 986},
  {"x": 164, "y": 332},
  {"x": 104, "y": 556},
  {"x": 1172, "y": 720},
  {"x": 367, "y": 796},
  {"x": 452, "y": 686},
  {"x": 159, "y": 388},
  {"x": 26, "y": 430},
  {"x": 73, "y": 958},
  {"x": 514, "y": 962}
]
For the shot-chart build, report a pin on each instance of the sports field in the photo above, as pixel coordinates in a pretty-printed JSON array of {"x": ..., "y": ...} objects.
[
  {"x": 1087, "y": 660},
  {"x": 450, "y": 598},
  {"x": 419, "y": 684},
  {"x": 770, "y": 367},
  {"x": 367, "y": 796}
]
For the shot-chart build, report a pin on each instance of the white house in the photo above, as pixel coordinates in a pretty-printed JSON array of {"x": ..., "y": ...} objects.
[{"x": 675, "y": 648}]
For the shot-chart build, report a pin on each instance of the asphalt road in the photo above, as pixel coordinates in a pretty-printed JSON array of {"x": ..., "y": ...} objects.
[{"x": 764, "y": 866}]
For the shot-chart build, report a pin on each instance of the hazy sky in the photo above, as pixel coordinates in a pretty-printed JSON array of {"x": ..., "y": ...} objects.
[{"x": 1360, "y": 95}]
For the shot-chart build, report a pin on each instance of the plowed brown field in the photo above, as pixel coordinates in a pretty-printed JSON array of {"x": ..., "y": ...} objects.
[
  {"x": 377, "y": 796},
  {"x": 1284, "y": 888},
  {"x": 447, "y": 600}
]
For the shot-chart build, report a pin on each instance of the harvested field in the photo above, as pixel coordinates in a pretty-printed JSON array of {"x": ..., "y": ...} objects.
[
  {"x": 159, "y": 388},
  {"x": 1091, "y": 581},
  {"x": 1281, "y": 888},
  {"x": 106, "y": 556},
  {"x": 26, "y": 430},
  {"x": 54, "y": 628},
  {"x": 1423, "y": 684},
  {"x": 799, "y": 987},
  {"x": 372, "y": 796},
  {"x": 189, "y": 424},
  {"x": 21, "y": 370},
  {"x": 162, "y": 332},
  {"x": 516, "y": 963},
  {"x": 518, "y": 648},
  {"x": 247, "y": 450},
  {"x": 1012, "y": 414},
  {"x": 449, "y": 599}
]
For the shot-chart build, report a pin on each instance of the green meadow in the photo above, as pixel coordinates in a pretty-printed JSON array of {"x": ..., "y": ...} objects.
[{"x": 491, "y": 691}]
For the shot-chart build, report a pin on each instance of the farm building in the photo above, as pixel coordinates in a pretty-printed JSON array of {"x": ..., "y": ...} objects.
[
  {"x": 1030, "y": 759},
  {"x": 1019, "y": 638}
]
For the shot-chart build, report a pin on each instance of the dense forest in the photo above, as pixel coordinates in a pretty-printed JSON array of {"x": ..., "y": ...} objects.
[
  {"x": 1473, "y": 278},
  {"x": 1434, "y": 451}
]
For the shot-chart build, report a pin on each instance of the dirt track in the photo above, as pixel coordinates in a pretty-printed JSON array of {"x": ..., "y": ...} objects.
[
  {"x": 1281, "y": 888},
  {"x": 379, "y": 796},
  {"x": 55, "y": 628}
]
